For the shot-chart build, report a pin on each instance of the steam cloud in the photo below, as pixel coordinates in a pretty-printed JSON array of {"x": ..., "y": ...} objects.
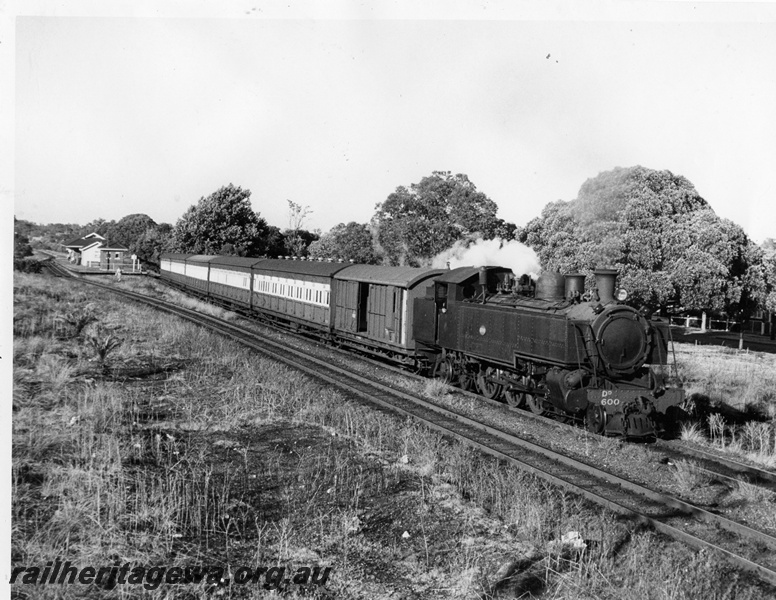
[{"x": 496, "y": 252}]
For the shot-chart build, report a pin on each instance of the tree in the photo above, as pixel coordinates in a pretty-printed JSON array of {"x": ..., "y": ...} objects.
[
  {"x": 224, "y": 217},
  {"x": 98, "y": 226},
  {"x": 769, "y": 267},
  {"x": 22, "y": 251},
  {"x": 128, "y": 230},
  {"x": 275, "y": 242},
  {"x": 149, "y": 246},
  {"x": 296, "y": 242},
  {"x": 668, "y": 243},
  {"x": 415, "y": 224},
  {"x": 347, "y": 242},
  {"x": 296, "y": 239},
  {"x": 21, "y": 243}
]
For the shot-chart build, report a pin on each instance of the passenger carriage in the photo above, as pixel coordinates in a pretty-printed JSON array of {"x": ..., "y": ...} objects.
[
  {"x": 173, "y": 268},
  {"x": 230, "y": 280},
  {"x": 295, "y": 291},
  {"x": 197, "y": 272}
]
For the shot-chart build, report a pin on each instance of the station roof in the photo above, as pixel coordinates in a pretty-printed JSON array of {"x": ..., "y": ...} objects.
[
  {"x": 85, "y": 241},
  {"x": 106, "y": 245},
  {"x": 404, "y": 277}
]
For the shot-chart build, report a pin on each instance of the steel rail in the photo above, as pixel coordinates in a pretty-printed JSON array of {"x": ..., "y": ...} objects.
[
  {"x": 765, "y": 477},
  {"x": 444, "y": 419}
]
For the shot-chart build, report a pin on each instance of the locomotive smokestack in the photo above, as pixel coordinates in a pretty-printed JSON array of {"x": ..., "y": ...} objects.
[
  {"x": 549, "y": 286},
  {"x": 484, "y": 282},
  {"x": 575, "y": 285},
  {"x": 604, "y": 281}
]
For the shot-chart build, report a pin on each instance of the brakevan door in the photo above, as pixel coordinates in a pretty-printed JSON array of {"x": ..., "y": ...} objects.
[
  {"x": 394, "y": 321},
  {"x": 362, "y": 308}
]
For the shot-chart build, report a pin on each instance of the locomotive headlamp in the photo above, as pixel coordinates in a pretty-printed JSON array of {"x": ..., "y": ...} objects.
[{"x": 622, "y": 294}]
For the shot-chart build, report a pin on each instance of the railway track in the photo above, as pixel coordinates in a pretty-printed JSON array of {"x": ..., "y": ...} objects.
[
  {"x": 748, "y": 549},
  {"x": 720, "y": 467}
]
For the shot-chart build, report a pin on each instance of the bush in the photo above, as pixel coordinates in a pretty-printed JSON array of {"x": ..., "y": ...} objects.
[{"x": 27, "y": 264}]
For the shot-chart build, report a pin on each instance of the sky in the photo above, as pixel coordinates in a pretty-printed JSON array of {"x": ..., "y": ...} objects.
[{"x": 117, "y": 108}]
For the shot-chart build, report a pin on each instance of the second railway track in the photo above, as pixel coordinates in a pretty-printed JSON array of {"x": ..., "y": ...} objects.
[{"x": 746, "y": 548}]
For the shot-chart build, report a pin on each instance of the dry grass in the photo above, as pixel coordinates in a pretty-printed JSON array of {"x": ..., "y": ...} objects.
[
  {"x": 744, "y": 381},
  {"x": 752, "y": 493},
  {"x": 689, "y": 476},
  {"x": 435, "y": 389},
  {"x": 691, "y": 432},
  {"x": 734, "y": 400}
]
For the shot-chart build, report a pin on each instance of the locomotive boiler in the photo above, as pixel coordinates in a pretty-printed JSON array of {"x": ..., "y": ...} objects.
[{"x": 550, "y": 345}]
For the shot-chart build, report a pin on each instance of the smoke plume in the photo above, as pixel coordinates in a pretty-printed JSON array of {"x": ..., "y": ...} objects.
[{"x": 496, "y": 252}]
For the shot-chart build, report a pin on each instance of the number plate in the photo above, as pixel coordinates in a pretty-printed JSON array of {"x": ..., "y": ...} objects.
[{"x": 615, "y": 397}]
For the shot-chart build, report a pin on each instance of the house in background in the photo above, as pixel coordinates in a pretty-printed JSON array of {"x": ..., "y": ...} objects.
[
  {"x": 85, "y": 250},
  {"x": 93, "y": 250},
  {"x": 113, "y": 256}
]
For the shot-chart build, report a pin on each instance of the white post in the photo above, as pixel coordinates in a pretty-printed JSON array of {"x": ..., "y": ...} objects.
[{"x": 703, "y": 322}]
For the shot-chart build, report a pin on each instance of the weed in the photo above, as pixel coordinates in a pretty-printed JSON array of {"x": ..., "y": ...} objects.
[
  {"x": 689, "y": 476},
  {"x": 71, "y": 324},
  {"x": 55, "y": 372},
  {"x": 691, "y": 432},
  {"x": 435, "y": 389},
  {"x": 716, "y": 424},
  {"x": 103, "y": 344},
  {"x": 752, "y": 493}
]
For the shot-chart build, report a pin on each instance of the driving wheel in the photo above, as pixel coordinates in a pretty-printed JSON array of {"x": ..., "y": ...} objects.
[{"x": 486, "y": 387}]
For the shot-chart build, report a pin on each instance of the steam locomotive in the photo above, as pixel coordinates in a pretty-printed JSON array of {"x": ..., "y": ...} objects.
[{"x": 549, "y": 345}]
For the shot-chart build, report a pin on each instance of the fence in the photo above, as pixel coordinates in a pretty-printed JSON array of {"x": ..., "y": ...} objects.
[{"x": 705, "y": 324}]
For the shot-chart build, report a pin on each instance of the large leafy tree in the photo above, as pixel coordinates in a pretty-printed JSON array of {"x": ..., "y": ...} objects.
[
  {"x": 148, "y": 247},
  {"x": 665, "y": 239},
  {"x": 275, "y": 242},
  {"x": 769, "y": 267},
  {"x": 297, "y": 241},
  {"x": 21, "y": 242},
  {"x": 351, "y": 241},
  {"x": 224, "y": 221},
  {"x": 129, "y": 230},
  {"x": 415, "y": 224}
]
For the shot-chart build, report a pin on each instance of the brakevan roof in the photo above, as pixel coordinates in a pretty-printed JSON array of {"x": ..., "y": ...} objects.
[
  {"x": 236, "y": 263},
  {"x": 300, "y": 267},
  {"x": 404, "y": 277},
  {"x": 461, "y": 274}
]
